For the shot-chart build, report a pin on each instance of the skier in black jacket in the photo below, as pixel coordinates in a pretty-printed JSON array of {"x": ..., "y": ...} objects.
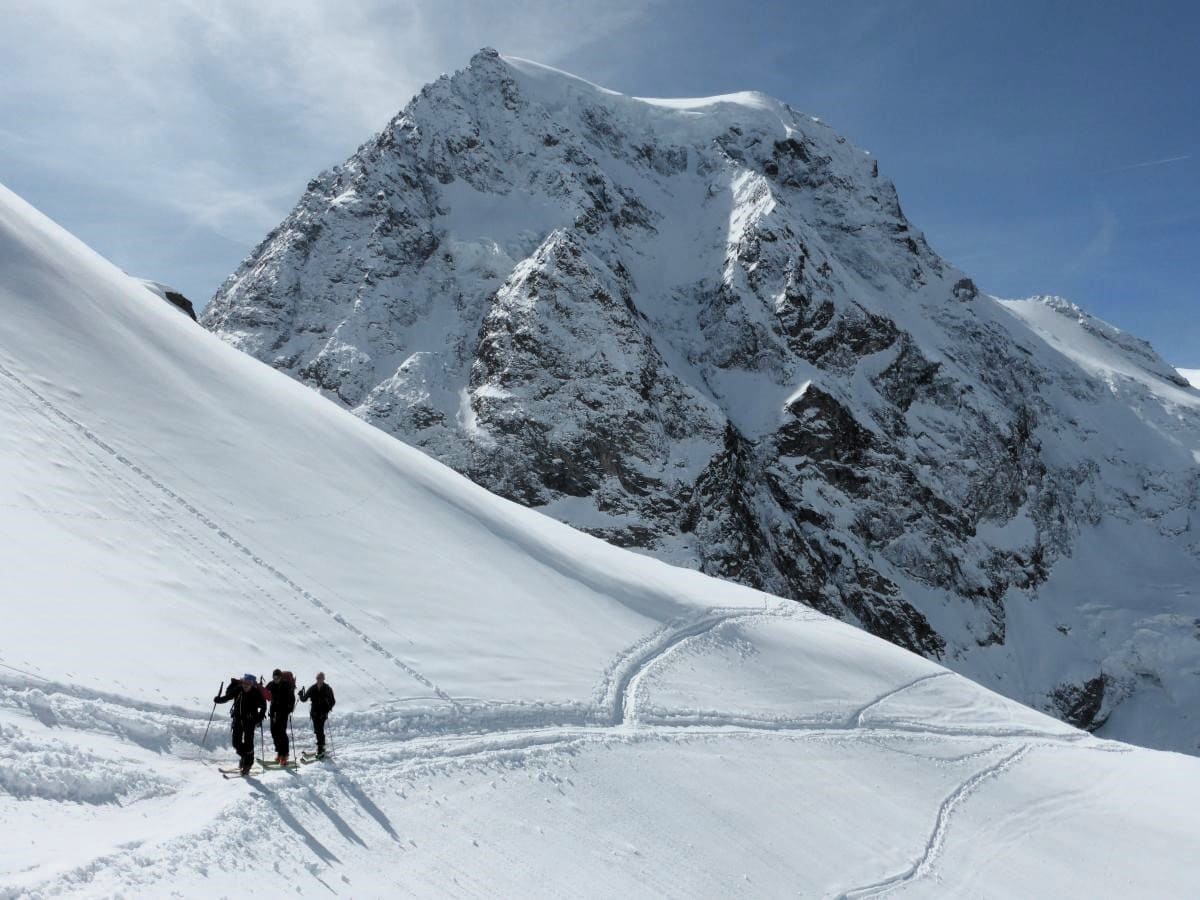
[
  {"x": 246, "y": 714},
  {"x": 320, "y": 695},
  {"x": 283, "y": 701}
]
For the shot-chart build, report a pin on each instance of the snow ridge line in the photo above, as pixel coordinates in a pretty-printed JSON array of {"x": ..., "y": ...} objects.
[
  {"x": 217, "y": 529},
  {"x": 937, "y": 838}
]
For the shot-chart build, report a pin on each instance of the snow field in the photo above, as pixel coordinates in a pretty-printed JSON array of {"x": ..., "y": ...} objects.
[
  {"x": 522, "y": 709},
  {"x": 708, "y": 810}
]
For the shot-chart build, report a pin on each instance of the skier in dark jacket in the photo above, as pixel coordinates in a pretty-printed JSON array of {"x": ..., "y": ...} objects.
[
  {"x": 246, "y": 714},
  {"x": 283, "y": 701},
  {"x": 320, "y": 696}
]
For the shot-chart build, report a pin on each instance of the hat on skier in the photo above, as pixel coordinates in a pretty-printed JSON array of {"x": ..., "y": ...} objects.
[
  {"x": 277, "y": 672},
  {"x": 250, "y": 678}
]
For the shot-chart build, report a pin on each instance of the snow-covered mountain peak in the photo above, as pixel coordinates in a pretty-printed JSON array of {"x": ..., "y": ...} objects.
[
  {"x": 493, "y": 93},
  {"x": 556, "y": 89},
  {"x": 688, "y": 118},
  {"x": 706, "y": 330}
]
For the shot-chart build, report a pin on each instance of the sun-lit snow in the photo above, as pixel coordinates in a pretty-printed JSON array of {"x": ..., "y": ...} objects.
[
  {"x": 522, "y": 709},
  {"x": 1192, "y": 375},
  {"x": 1100, "y": 348}
]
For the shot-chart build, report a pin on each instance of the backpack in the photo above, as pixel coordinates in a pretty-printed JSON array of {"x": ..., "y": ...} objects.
[{"x": 287, "y": 692}]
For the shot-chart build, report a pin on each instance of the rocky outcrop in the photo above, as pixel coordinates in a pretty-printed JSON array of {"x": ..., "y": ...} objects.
[
  {"x": 706, "y": 330},
  {"x": 1080, "y": 704},
  {"x": 183, "y": 304},
  {"x": 172, "y": 296}
]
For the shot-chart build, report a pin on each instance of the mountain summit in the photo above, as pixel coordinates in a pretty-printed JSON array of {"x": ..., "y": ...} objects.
[{"x": 705, "y": 329}]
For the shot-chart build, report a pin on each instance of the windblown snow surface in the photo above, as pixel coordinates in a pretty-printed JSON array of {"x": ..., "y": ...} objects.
[{"x": 523, "y": 709}]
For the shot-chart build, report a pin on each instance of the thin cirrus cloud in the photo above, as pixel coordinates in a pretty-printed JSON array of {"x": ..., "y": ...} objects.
[
  {"x": 1146, "y": 165},
  {"x": 219, "y": 111},
  {"x": 1098, "y": 247}
]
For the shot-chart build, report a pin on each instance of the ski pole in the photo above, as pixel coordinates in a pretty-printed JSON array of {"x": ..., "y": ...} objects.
[
  {"x": 262, "y": 741},
  {"x": 290, "y": 732},
  {"x": 220, "y": 691}
]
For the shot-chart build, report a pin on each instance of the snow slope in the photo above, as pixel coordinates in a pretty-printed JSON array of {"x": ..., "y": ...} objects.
[
  {"x": 1192, "y": 375},
  {"x": 523, "y": 709}
]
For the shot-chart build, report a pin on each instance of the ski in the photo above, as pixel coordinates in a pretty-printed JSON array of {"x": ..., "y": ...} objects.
[
  {"x": 307, "y": 758},
  {"x": 274, "y": 766},
  {"x": 237, "y": 772}
]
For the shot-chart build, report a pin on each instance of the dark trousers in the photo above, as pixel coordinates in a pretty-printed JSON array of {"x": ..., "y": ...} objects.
[
  {"x": 279, "y": 733},
  {"x": 243, "y": 741},
  {"x": 319, "y": 731}
]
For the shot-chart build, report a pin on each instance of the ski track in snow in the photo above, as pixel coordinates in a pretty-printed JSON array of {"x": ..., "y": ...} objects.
[
  {"x": 217, "y": 529},
  {"x": 937, "y": 837},
  {"x": 479, "y": 728},
  {"x": 860, "y": 717},
  {"x": 633, "y": 667},
  {"x": 442, "y": 753}
]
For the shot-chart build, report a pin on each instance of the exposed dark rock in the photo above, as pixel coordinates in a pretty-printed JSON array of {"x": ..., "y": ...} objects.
[
  {"x": 1080, "y": 704},
  {"x": 964, "y": 289},
  {"x": 181, "y": 302}
]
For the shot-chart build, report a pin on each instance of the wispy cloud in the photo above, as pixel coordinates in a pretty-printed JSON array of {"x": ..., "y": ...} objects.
[
  {"x": 220, "y": 111},
  {"x": 1098, "y": 246},
  {"x": 1146, "y": 165}
]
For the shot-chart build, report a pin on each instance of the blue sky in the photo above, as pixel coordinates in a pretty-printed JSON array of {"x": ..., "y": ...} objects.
[{"x": 1044, "y": 147}]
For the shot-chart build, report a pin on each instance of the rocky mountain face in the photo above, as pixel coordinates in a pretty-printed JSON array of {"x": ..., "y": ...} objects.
[{"x": 705, "y": 329}]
